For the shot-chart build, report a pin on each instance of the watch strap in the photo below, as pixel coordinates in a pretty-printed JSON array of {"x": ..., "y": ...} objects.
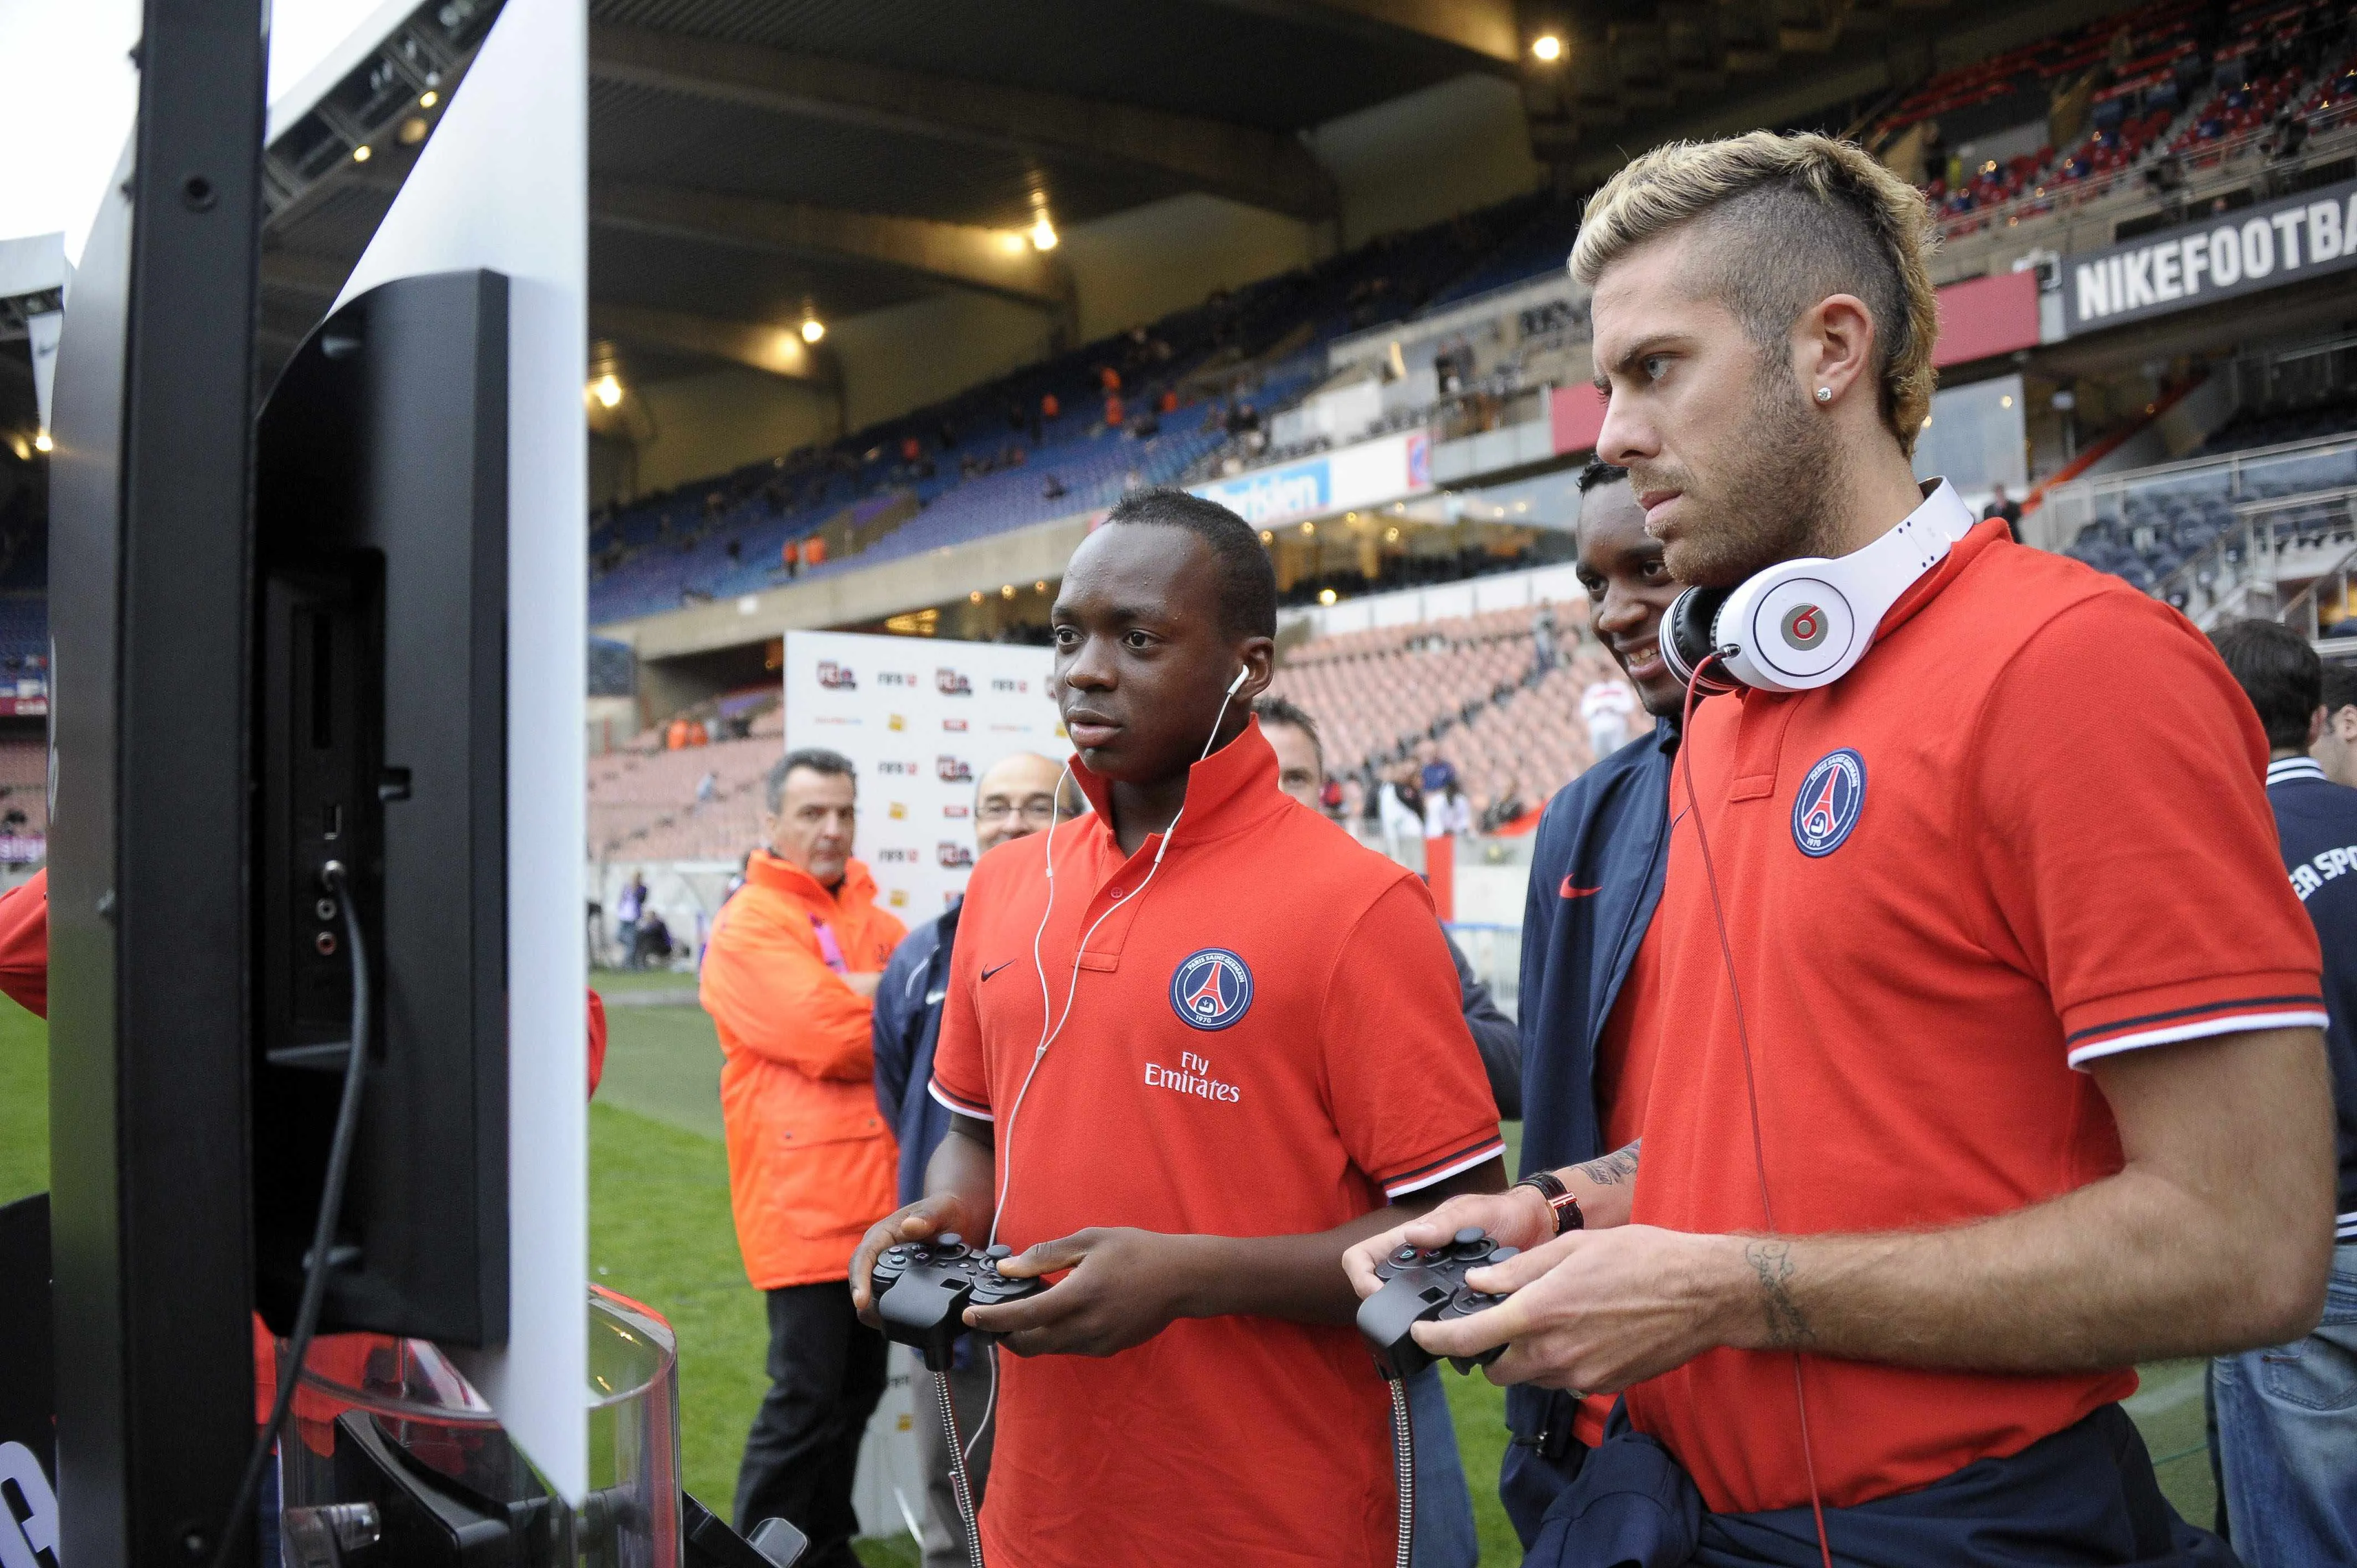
[{"x": 1560, "y": 1200}]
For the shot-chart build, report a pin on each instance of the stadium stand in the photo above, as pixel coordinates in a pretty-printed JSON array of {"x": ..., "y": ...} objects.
[
  {"x": 23, "y": 641},
  {"x": 2203, "y": 533},
  {"x": 2153, "y": 109},
  {"x": 2154, "y": 96},
  {"x": 1064, "y": 437},
  {"x": 649, "y": 801},
  {"x": 1470, "y": 684},
  {"x": 24, "y": 801}
]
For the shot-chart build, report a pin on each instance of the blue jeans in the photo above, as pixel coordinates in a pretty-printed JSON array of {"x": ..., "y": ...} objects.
[
  {"x": 1444, "y": 1504},
  {"x": 2288, "y": 1438}
]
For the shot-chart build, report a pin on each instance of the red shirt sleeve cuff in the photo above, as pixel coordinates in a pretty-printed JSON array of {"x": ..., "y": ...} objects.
[
  {"x": 1441, "y": 1166},
  {"x": 2192, "y": 1010},
  {"x": 964, "y": 1105}
]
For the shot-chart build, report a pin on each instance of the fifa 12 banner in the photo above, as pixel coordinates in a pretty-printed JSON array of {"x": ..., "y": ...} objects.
[
  {"x": 2225, "y": 255},
  {"x": 922, "y": 721}
]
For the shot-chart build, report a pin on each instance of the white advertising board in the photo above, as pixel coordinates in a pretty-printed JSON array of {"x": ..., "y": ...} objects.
[
  {"x": 922, "y": 721},
  {"x": 1369, "y": 474}
]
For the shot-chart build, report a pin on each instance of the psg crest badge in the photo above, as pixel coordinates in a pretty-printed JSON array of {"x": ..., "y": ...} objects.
[
  {"x": 1831, "y": 798},
  {"x": 1211, "y": 989}
]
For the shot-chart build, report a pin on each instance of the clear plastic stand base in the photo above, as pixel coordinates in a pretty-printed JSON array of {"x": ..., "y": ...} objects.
[{"x": 391, "y": 1457}]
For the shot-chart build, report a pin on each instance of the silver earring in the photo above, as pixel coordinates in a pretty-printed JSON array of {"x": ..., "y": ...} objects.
[{"x": 1824, "y": 394}]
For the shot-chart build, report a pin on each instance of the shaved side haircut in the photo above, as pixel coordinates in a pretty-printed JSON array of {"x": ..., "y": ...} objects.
[
  {"x": 1247, "y": 580},
  {"x": 1788, "y": 220}
]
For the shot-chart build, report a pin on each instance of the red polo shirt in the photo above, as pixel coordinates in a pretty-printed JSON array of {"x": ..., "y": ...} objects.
[
  {"x": 1266, "y": 1041},
  {"x": 2029, "y": 830}
]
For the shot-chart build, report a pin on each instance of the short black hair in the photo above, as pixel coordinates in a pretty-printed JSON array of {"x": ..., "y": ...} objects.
[
  {"x": 2340, "y": 685},
  {"x": 2279, "y": 672},
  {"x": 817, "y": 759},
  {"x": 1597, "y": 474},
  {"x": 1247, "y": 580},
  {"x": 1275, "y": 710}
]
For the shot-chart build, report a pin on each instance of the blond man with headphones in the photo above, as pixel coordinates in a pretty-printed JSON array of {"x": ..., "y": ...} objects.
[{"x": 1984, "y": 1025}]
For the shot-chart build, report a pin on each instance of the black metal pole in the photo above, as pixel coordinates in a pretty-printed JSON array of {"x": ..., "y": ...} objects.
[{"x": 151, "y": 542}]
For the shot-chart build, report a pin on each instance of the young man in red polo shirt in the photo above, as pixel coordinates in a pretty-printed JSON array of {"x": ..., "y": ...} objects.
[
  {"x": 1239, "y": 1039},
  {"x": 1987, "y": 1058}
]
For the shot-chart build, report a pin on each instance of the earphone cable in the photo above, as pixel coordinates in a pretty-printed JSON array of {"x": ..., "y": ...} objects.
[
  {"x": 1047, "y": 1034},
  {"x": 1750, "y": 1084}
]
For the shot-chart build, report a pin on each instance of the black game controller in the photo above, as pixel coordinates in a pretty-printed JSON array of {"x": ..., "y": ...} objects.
[
  {"x": 1427, "y": 1284},
  {"x": 922, "y": 1289}
]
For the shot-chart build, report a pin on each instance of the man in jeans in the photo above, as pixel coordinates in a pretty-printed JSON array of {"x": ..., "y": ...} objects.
[
  {"x": 2287, "y": 1414},
  {"x": 789, "y": 976}
]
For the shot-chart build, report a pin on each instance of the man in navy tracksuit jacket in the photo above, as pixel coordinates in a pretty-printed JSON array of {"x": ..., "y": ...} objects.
[
  {"x": 1596, "y": 876},
  {"x": 2286, "y": 1439}
]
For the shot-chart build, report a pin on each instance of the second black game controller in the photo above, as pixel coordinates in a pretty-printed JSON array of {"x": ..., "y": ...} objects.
[
  {"x": 1427, "y": 1284},
  {"x": 922, "y": 1289}
]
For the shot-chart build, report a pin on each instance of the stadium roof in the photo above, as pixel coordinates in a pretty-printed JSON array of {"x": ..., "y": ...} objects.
[{"x": 753, "y": 160}]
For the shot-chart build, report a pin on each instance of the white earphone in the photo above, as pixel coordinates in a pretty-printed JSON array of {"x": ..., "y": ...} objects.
[
  {"x": 1806, "y": 623},
  {"x": 1047, "y": 1033}
]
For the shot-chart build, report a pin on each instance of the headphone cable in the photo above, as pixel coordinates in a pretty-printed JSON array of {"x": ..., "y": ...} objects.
[{"x": 1750, "y": 1084}]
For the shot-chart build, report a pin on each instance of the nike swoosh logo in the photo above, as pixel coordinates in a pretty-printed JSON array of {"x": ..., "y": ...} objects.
[
  {"x": 1568, "y": 891},
  {"x": 988, "y": 973}
]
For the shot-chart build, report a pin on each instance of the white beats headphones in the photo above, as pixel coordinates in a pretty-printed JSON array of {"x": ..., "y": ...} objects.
[{"x": 1805, "y": 623}]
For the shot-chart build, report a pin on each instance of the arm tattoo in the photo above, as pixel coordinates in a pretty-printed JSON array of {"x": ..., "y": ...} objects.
[
  {"x": 1788, "y": 1326},
  {"x": 1614, "y": 1168}
]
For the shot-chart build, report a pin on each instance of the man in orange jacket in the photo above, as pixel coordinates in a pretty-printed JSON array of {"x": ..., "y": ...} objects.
[{"x": 789, "y": 974}]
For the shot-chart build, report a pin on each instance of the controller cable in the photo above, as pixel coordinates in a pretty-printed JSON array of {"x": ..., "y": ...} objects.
[
  {"x": 1403, "y": 1463},
  {"x": 1750, "y": 1086},
  {"x": 323, "y": 1232},
  {"x": 960, "y": 1452},
  {"x": 960, "y": 1486}
]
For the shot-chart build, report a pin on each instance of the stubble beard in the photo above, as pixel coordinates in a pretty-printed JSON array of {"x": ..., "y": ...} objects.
[{"x": 1775, "y": 501}]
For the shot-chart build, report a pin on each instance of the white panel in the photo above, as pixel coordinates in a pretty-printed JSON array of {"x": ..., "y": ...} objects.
[
  {"x": 1448, "y": 601},
  {"x": 1502, "y": 592},
  {"x": 1556, "y": 584},
  {"x": 1370, "y": 473},
  {"x": 1396, "y": 610},
  {"x": 314, "y": 45},
  {"x": 503, "y": 185},
  {"x": 923, "y": 720}
]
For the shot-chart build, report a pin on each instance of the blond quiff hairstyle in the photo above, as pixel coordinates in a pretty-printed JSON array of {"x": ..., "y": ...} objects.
[{"x": 1828, "y": 191}]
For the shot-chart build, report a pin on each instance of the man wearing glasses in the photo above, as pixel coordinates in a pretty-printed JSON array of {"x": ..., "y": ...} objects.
[{"x": 1015, "y": 798}]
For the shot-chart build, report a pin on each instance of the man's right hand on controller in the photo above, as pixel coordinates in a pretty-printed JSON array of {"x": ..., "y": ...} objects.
[
  {"x": 1518, "y": 1216},
  {"x": 931, "y": 1216}
]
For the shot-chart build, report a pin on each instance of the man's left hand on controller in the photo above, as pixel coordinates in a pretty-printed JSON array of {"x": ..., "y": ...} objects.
[
  {"x": 1595, "y": 1311},
  {"x": 1124, "y": 1287}
]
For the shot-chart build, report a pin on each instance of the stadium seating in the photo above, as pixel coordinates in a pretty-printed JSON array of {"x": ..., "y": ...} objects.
[
  {"x": 2149, "y": 529},
  {"x": 2178, "y": 79},
  {"x": 24, "y": 640},
  {"x": 1469, "y": 684},
  {"x": 995, "y": 458},
  {"x": 645, "y": 806},
  {"x": 24, "y": 801}
]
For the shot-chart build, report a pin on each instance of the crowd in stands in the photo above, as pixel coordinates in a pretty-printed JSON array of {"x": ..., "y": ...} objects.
[
  {"x": 23, "y": 640},
  {"x": 672, "y": 796},
  {"x": 24, "y": 801},
  {"x": 1501, "y": 705},
  {"x": 2161, "y": 89},
  {"x": 1069, "y": 435}
]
